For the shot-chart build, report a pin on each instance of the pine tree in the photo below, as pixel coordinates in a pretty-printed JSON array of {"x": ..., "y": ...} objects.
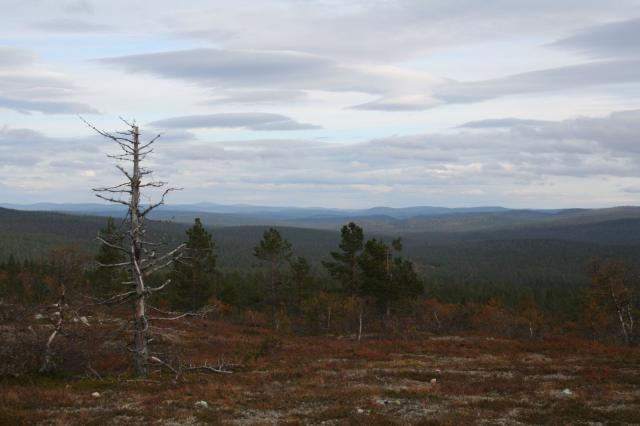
[
  {"x": 345, "y": 266},
  {"x": 301, "y": 277},
  {"x": 385, "y": 277},
  {"x": 276, "y": 251},
  {"x": 194, "y": 274}
]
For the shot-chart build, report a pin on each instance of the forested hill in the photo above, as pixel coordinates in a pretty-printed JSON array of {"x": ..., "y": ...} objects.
[{"x": 556, "y": 252}]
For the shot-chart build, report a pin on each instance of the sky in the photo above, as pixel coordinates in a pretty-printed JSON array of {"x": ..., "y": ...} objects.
[{"x": 327, "y": 103}]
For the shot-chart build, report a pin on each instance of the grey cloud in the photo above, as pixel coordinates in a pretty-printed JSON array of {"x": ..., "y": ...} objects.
[
  {"x": 619, "y": 131},
  {"x": 562, "y": 78},
  {"x": 521, "y": 156},
  {"x": 389, "y": 30},
  {"x": 251, "y": 121},
  {"x": 11, "y": 57},
  {"x": 408, "y": 103},
  {"x": 526, "y": 153},
  {"x": 71, "y": 26},
  {"x": 231, "y": 69},
  {"x": 25, "y": 86},
  {"x": 616, "y": 39},
  {"x": 78, "y": 6},
  {"x": 257, "y": 96},
  {"x": 26, "y": 106},
  {"x": 500, "y": 122}
]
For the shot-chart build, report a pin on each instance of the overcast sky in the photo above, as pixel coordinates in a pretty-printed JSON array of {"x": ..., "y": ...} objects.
[{"x": 530, "y": 103}]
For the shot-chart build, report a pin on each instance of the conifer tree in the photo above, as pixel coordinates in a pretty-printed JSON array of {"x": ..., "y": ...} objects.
[
  {"x": 385, "y": 277},
  {"x": 276, "y": 251},
  {"x": 345, "y": 266},
  {"x": 193, "y": 275}
]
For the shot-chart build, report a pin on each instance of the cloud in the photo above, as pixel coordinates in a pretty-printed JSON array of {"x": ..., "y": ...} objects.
[
  {"x": 613, "y": 44},
  {"x": 501, "y": 122},
  {"x": 613, "y": 40},
  {"x": 385, "y": 31},
  {"x": 12, "y": 57},
  {"x": 400, "y": 103},
  {"x": 530, "y": 152},
  {"x": 71, "y": 26},
  {"x": 268, "y": 70},
  {"x": 78, "y": 6},
  {"x": 265, "y": 96},
  {"x": 488, "y": 161},
  {"x": 27, "y": 86},
  {"x": 548, "y": 80},
  {"x": 248, "y": 120},
  {"x": 25, "y": 106}
]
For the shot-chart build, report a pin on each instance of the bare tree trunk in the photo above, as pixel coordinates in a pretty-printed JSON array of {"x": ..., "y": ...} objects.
[
  {"x": 143, "y": 261},
  {"x": 360, "y": 315},
  {"x": 619, "y": 310},
  {"x": 328, "y": 318},
  {"x": 630, "y": 321},
  {"x": 140, "y": 324},
  {"x": 47, "y": 363},
  {"x": 438, "y": 324}
]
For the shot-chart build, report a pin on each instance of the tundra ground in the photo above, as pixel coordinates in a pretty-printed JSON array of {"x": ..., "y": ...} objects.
[{"x": 286, "y": 379}]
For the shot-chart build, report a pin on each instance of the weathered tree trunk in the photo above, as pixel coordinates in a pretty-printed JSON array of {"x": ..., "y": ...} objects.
[
  {"x": 360, "y": 315},
  {"x": 142, "y": 261},
  {"x": 140, "y": 352},
  {"x": 619, "y": 311},
  {"x": 47, "y": 362}
]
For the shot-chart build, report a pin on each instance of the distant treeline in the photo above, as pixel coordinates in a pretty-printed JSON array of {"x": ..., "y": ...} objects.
[{"x": 489, "y": 258}]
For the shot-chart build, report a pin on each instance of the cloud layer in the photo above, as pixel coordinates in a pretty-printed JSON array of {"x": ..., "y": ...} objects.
[
  {"x": 251, "y": 121},
  {"x": 511, "y": 162},
  {"x": 329, "y": 102}
]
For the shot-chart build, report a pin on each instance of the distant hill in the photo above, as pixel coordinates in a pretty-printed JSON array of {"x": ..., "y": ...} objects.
[
  {"x": 383, "y": 220},
  {"x": 506, "y": 246}
]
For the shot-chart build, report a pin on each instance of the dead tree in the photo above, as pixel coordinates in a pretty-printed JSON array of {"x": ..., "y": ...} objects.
[
  {"x": 142, "y": 257},
  {"x": 67, "y": 264}
]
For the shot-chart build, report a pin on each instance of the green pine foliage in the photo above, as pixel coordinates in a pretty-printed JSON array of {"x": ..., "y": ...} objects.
[
  {"x": 344, "y": 266},
  {"x": 274, "y": 250},
  {"x": 194, "y": 274}
]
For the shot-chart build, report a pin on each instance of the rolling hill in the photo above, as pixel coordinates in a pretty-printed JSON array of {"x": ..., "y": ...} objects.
[{"x": 506, "y": 246}]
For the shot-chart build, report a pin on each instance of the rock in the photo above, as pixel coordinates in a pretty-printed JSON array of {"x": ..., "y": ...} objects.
[
  {"x": 433, "y": 381},
  {"x": 201, "y": 404},
  {"x": 567, "y": 392},
  {"x": 359, "y": 410},
  {"x": 96, "y": 394},
  {"x": 84, "y": 320},
  {"x": 38, "y": 316}
]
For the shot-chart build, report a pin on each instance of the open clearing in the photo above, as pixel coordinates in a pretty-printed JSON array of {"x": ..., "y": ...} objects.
[{"x": 335, "y": 380}]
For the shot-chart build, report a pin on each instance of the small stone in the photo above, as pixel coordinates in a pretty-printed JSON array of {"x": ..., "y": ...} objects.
[
  {"x": 359, "y": 411},
  {"x": 201, "y": 404},
  {"x": 84, "y": 320},
  {"x": 433, "y": 381},
  {"x": 96, "y": 394},
  {"x": 38, "y": 316},
  {"x": 567, "y": 392}
]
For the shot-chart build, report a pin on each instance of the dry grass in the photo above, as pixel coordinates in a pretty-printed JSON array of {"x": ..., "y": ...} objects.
[{"x": 317, "y": 380}]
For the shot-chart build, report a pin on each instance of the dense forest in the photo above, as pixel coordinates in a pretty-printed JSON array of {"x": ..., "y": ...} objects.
[{"x": 314, "y": 281}]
